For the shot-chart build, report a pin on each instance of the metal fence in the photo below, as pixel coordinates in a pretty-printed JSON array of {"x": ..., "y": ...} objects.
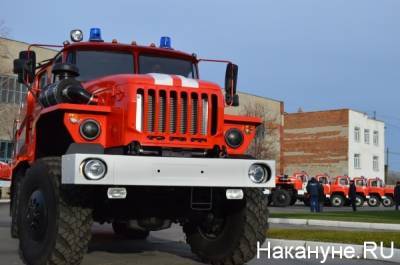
[{"x": 11, "y": 91}]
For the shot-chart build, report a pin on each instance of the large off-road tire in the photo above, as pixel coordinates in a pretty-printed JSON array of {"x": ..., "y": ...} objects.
[
  {"x": 54, "y": 229},
  {"x": 122, "y": 229},
  {"x": 388, "y": 201},
  {"x": 337, "y": 200},
  {"x": 232, "y": 240},
  {"x": 374, "y": 201},
  {"x": 281, "y": 198},
  {"x": 360, "y": 201}
]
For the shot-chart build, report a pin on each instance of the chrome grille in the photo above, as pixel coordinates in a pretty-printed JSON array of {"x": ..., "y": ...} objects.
[{"x": 177, "y": 112}]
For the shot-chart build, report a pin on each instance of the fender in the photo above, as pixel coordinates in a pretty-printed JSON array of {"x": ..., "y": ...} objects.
[{"x": 247, "y": 125}]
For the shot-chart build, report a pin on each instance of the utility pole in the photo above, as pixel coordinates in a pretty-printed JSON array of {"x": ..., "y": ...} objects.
[
  {"x": 387, "y": 165},
  {"x": 374, "y": 114}
]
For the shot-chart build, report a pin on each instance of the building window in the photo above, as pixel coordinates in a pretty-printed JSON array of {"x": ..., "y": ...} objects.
[
  {"x": 366, "y": 136},
  {"x": 376, "y": 138},
  {"x": 357, "y": 161},
  {"x": 375, "y": 163},
  {"x": 357, "y": 135},
  {"x": 6, "y": 148},
  {"x": 11, "y": 91}
]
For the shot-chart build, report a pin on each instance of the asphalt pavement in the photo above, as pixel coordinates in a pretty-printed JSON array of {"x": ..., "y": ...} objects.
[{"x": 163, "y": 247}]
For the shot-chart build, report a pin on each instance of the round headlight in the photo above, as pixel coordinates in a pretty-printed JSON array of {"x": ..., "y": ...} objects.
[
  {"x": 257, "y": 173},
  {"x": 94, "y": 169},
  {"x": 234, "y": 138},
  {"x": 90, "y": 129},
  {"x": 76, "y": 35}
]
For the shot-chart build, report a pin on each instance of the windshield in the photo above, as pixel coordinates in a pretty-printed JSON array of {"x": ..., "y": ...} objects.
[
  {"x": 95, "y": 64},
  {"x": 166, "y": 65},
  {"x": 343, "y": 182}
]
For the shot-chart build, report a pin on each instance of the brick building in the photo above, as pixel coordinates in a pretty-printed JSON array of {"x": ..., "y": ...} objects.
[{"x": 336, "y": 142}]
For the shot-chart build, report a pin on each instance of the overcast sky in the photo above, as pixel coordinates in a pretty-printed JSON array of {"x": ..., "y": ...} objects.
[{"x": 311, "y": 54}]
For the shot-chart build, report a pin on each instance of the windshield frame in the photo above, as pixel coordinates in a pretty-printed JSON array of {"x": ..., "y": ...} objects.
[
  {"x": 195, "y": 70},
  {"x": 136, "y": 50}
]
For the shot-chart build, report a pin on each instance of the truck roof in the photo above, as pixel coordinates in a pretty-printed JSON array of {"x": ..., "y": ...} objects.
[{"x": 130, "y": 47}]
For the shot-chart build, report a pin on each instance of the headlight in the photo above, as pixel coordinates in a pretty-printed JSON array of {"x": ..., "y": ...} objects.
[
  {"x": 90, "y": 129},
  {"x": 234, "y": 138},
  {"x": 258, "y": 173},
  {"x": 76, "y": 35},
  {"x": 94, "y": 169}
]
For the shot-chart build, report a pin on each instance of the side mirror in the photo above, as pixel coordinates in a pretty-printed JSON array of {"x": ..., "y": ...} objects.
[
  {"x": 231, "y": 75},
  {"x": 25, "y": 66}
]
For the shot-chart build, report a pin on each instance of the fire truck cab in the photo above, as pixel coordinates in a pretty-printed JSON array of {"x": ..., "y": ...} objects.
[{"x": 130, "y": 135}]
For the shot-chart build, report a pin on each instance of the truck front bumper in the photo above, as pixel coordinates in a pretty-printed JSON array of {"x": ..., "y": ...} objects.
[{"x": 166, "y": 171}]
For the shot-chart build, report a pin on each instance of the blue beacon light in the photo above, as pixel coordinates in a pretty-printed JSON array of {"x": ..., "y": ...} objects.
[
  {"x": 95, "y": 34},
  {"x": 165, "y": 42}
]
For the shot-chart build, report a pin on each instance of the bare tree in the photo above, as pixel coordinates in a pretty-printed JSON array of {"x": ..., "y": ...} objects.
[
  {"x": 5, "y": 54},
  {"x": 264, "y": 145},
  {"x": 4, "y": 30}
]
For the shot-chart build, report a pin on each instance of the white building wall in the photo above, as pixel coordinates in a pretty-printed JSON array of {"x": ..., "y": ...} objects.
[{"x": 365, "y": 150}]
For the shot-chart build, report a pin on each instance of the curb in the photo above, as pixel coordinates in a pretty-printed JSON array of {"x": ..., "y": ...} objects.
[
  {"x": 342, "y": 224},
  {"x": 358, "y": 249}
]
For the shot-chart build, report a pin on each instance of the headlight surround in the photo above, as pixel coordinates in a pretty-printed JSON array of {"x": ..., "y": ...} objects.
[
  {"x": 94, "y": 168},
  {"x": 234, "y": 138},
  {"x": 258, "y": 173},
  {"x": 90, "y": 129}
]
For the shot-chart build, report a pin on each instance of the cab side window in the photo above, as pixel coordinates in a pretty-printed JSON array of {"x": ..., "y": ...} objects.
[{"x": 43, "y": 80}]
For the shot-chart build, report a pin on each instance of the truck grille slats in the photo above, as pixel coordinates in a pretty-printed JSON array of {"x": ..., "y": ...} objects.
[
  {"x": 178, "y": 113},
  {"x": 184, "y": 112}
]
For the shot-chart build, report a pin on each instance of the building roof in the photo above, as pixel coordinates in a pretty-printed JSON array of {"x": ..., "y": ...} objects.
[
  {"x": 27, "y": 44},
  {"x": 258, "y": 96},
  {"x": 332, "y": 110}
]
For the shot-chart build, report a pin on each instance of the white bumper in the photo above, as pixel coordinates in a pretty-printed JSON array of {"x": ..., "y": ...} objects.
[
  {"x": 166, "y": 171},
  {"x": 301, "y": 192}
]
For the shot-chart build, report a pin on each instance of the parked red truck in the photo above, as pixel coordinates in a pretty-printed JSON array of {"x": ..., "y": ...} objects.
[
  {"x": 289, "y": 189},
  {"x": 130, "y": 135},
  {"x": 379, "y": 193}
]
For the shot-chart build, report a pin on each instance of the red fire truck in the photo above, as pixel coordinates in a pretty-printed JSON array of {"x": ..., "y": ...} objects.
[
  {"x": 130, "y": 135},
  {"x": 289, "y": 189},
  {"x": 379, "y": 193}
]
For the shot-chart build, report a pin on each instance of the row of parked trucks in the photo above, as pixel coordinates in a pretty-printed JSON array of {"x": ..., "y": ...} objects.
[{"x": 290, "y": 189}]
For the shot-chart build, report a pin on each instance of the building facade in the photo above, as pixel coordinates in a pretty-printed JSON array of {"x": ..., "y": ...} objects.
[
  {"x": 336, "y": 142},
  {"x": 12, "y": 94}
]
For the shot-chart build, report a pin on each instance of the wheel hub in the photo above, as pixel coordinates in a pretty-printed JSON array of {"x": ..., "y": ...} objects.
[
  {"x": 282, "y": 198},
  {"x": 36, "y": 216},
  {"x": 212, "y": 226},
  {"x": 386, "y": 202}
]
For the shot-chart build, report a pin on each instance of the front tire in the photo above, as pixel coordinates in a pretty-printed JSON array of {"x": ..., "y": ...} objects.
[
  {"x": 388, "y": 201},
  {"x": 337, "y": 200},
  {"x": 232, "y": 240},
  {"x": 281, "y": 198},
  {"x": 374, "y": 201},
  {"x": 360, "y": 201},
  {"x": 52, "y": 229}
]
